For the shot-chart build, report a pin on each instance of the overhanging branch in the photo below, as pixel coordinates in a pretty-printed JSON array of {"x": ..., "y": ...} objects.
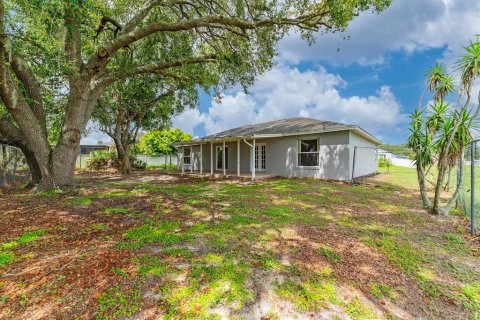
[
  {"x": 160, "y": 69},
  {"x": 311, "y": 21},
  {"x": 33, "y": 89}
]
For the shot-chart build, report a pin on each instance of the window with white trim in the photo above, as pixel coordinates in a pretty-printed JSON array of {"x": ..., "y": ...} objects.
[
  {"x": 308, "y": 153},
  {"x": 186, "y": 155}
]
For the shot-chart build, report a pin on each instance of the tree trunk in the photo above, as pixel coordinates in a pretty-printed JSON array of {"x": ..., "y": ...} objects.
[
  {"x": 446, "y": 210},
  {"x": 442, "y": 168},
  {"x": 449, "y": 178},
  {"x": 63, "y": 162},
  {"x": 124, "y": 164},
  {"x": 123, "y": 153},
  {"x": 4, "y": 153},
  {"x": 36, "y": 175},
  {"x": 3, "y": 175},
  {"x": 423, "y": 189}
]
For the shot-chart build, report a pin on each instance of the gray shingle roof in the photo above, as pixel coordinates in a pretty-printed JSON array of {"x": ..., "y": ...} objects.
[
  {"x": 284, "y": 126},
  {"x": 289, "y": 126}
]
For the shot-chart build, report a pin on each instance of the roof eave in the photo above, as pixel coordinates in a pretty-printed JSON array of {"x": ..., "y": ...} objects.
[
  {"x": 367, "y": 135},
  {"x": 357, "y": 129},
  {"x": 211, "y": 140}
]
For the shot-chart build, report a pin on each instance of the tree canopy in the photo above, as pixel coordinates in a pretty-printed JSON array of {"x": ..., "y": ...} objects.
[
  {"x": 141, "y": 103},
  {"x": 59, "y": 56},
  {"x": 158, "y": 142}
]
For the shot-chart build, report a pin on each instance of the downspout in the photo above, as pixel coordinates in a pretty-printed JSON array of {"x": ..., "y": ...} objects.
[
  {"x": 353, "y": 165},
  {"x": 247, "y": 143}
]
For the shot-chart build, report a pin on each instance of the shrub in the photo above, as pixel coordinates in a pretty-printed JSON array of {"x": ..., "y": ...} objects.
[
  {"x": 384, "y": 162},
  {"x": 101, "y": 159},
  {"x": 98, "y": 160},
  {"x": 137, "y": 163}
]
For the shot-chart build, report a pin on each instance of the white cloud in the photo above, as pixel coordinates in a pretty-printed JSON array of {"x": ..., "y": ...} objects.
[
  {"x": 188, "y": 120},
  {"x": 408, "y": 26},
  {"x": 285, "y": 92},
  {"x": 95, "y": 138},
  {"x": 233, "y": 111},
  {"x": 92, "y": 135}
]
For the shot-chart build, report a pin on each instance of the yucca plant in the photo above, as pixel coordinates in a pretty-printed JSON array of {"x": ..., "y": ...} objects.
[
  {"x": 469, "y": 65},
  {"x": 441, "y": 139},
  {"x": 419, "y": 141},
  {"x": 435, "y": 76},
  {"x": 462, "y": 138},
  {"x": 437, "y": 116},
  {"x": 440, "y": 82}
]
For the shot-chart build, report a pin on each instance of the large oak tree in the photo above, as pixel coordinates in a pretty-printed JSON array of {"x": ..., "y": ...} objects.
[
  {"x": 59, "y": 56},
  {"x": 142, "y": 103}
]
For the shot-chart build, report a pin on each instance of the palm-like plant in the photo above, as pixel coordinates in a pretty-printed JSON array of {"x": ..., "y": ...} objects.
[
  {"x": 442, "y": 137},
  {"x": 420, "y": 142},
  {"x": 416, "y": 130},
  {"x": 444, "y": 88},
  {"x": 469, "y": 65},
  {"x": 440, "y": 82},
  {"x": 463, "y": 136},
  {"x": 444, "y": 133},
  {"x": 464, "y": 132},
  {"x": 437, "y": 116},
  {"x": 435, "y": 76}
]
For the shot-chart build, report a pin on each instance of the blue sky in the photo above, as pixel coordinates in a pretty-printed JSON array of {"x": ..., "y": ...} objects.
[
  {"x": 371, "y": 75},
  {"x": 373, "y": 79},
  {"x": 404, "y": 76}
]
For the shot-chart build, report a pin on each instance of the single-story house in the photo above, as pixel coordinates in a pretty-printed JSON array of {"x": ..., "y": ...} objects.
[
  {"x": 89, "y": 148},
  {"x": 295, "y": 147}
]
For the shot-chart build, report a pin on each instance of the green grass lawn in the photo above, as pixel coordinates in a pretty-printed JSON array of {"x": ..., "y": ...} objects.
[
  {"x": 400, "y": 176},
  {"x": 407, "y": 178},
  {"x": 164, "y": 246}
]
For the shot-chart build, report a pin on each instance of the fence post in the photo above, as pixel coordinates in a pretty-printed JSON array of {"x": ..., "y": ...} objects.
[
  {"x": 472, "y": 189},
  {"x": 170, "y": 164}
]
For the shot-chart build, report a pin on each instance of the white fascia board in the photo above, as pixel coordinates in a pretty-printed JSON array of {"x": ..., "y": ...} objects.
[
  {"x": 215, "y": 140},
  {"x": 368, "y": 136},
  {"x": 356, "y": 129}
]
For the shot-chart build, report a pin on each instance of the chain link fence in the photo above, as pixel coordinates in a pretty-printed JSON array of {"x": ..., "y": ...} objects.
[
  {"x": 12, "y": 165},
  {"x": 397, "y": 155},
  {"x": 165, "y": 162},
  {"x": 469, "y": 200}
]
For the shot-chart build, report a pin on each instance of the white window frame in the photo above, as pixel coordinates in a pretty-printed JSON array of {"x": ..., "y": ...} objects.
[
  {"x": 189, "y": 156},
  {"x": 259, "y": 145},
  {"x": 299, "y": 147}
]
